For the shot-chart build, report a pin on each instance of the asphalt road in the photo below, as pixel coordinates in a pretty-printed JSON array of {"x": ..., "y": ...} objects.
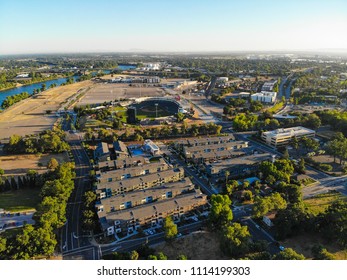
[{"x": 72, "y": 236}]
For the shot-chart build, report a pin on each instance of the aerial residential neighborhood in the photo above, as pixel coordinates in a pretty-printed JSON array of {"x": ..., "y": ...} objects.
[{"x": 154, "y": 152}]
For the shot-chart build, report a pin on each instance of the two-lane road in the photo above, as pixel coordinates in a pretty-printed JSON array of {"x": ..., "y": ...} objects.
[{"x": 72, "y": 236}]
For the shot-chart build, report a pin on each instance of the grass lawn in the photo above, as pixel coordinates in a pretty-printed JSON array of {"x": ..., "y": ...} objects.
[
  {"x": 276, "y": 107},
  {"x": 20, "y": 200},
  {"x": 308, "y": 181},
  {"x": 319, "y": 203},
  {"x": 92, "y": 123}
]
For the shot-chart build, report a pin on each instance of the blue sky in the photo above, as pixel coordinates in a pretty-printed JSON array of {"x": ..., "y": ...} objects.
[{"x": 37, "y": 26}]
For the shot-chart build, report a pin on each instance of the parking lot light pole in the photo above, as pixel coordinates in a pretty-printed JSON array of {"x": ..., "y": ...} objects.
[{"x": 156, "y": 110}]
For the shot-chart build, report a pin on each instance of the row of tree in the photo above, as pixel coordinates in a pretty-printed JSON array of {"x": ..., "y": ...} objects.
[
  {"x": 48, "y": 141},
  {"x": 39, "y": 240},
  {"x": 13, "y": 99}
]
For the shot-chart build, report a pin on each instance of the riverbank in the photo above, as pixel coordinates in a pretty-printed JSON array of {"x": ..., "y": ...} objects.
[
  {"x": 30, "y": 116},
  {"x": 18, "y": 85}
]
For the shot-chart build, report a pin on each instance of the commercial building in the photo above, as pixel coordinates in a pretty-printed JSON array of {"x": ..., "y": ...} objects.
[
  {"x": 237, "y": 166},
  {"x": 282, "y": 136},
  {"x": 264, "y": 97},
  {"x": 153, "y": 214},
  {"x": 107, "y": 189},
  {"x": 268, "y": 86},
  {"x": 140, "y": 197}
]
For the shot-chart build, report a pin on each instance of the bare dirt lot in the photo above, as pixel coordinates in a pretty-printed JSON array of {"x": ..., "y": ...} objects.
[
  {"x": 29, "y": 116},
  {"x": 16, "y": 165},
  {"x": 196, "y": 246},
  {"x": 110, "y": 92}
]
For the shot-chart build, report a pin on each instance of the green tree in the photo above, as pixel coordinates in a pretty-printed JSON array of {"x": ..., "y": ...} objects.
[
  {"x": 301, "y": 166},
  {"x": 220, "y": 214},
  {"x": 227, "y": 174},
  {"x": 321, "y": 253},
  {"x": 134, "y": 255},
  {"x": 288, "y": 254},
  {"x": 170, "y": 228},
  {"x": 235, "y": 239},
  {"x": 309, "y": 144},
  {"x": 231, "y": 186},
  {"x": 182, "y": 257},
  {"x": 180, "y": 117},
  {"x": 52, "y": 164},
  {"x": 264, "y": 205}
]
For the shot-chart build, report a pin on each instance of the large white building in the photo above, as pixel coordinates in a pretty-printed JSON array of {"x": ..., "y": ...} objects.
[
  {"x": 264, "y": 97},
  {"x": 282, "y": 136}
]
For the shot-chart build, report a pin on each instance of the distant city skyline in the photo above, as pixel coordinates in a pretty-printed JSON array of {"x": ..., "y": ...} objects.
[{"x": 38, "y": 26}]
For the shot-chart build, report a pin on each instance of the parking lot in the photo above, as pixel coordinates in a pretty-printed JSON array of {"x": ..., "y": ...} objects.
[{"x": 8, "y": 221}]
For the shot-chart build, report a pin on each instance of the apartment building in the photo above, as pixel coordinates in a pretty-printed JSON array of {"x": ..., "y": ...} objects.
[
  {"x": 130, "y": 172},
  {"x": 190, "y": 151},
  {"x": 282, "y": 136},
  {"x": 120, "y": 150},
  {"x": 237, "y": 166},
  {"x": 140, "y": 197},
  {"x": 102, "y": 152},
  {"x": 197, "y": 141},
  {"x": 108, "y": 189},
  {"x": 128, "y": 220},
  {"x": 122, "y": 163}
]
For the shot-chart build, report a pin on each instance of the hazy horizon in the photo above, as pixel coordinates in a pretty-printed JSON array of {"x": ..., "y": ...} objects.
[{"x": 42, "y": 27}]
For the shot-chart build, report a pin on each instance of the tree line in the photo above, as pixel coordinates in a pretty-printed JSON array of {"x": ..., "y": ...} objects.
[
  {"x": 13, "y": 99},
  {"x": 48, "y": 141},
  {"x": 40, "y": 240}
]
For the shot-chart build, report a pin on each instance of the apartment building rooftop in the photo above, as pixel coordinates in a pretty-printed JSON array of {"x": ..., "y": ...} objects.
[
  {"x": 147, "y": 211},
  {"x": 133, "y": 171},
  {"x": 197, "y": 141},
  {"x": 140, "y": 197},
  {"x": 124, "y": 162},
  {"x": 144, "y": 181},
  {"x": 216, "y": 147}
]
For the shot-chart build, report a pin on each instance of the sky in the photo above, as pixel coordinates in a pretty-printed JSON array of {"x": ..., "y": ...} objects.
[{"x": 64, "y": 26}]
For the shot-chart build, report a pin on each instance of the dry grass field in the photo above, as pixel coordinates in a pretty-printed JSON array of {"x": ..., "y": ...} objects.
[
  {"x": 29, "y": 116},
  {"x": 16, "y": 165},
  {"x": 196, "y": 246}
]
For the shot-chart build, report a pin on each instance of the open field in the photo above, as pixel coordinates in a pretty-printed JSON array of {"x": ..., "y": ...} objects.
[
  {"x": 20, "y": 200},
  {"x": 110, "y": 92},
  {"x": 196, "y": 246},
  {"x": 304, "y": 243},
  {"x": 319, "y": 203},
  {"x": 29, "y": 116},
  {"x": 16, "y": 165}
]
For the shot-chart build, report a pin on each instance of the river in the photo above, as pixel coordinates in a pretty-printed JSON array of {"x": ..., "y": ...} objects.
[{"x": 30, "y": 88}]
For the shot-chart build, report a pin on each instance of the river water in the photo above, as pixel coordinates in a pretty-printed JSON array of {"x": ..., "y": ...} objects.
[{"x": 30, "y": 88}]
